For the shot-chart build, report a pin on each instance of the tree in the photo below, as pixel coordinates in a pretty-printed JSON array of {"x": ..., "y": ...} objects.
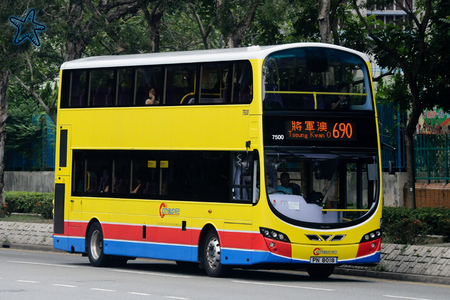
[
  {"x": 9, "y": 54},
  {"x": 324, "y": 21},
  {"x": 4, "y": 82},
  {"x": 418, "y": 46},
  {"x": 234, "y": 18},
  {"x": 153, "y": 21},
  {"x": 21, "y": 131},
  {"x": 202, "y": 12}
]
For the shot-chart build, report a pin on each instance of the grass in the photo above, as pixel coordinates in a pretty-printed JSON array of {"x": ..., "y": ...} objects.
[{"x": 26, "y": 218}]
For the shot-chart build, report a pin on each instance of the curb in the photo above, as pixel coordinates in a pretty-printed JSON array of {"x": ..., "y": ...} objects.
[
  {"x": 31, "y": 247},
  {"x": 393, "y": 276}
]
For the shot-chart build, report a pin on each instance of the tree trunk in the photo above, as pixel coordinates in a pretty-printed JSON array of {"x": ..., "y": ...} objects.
[
  {"x": 4, "y": 82},
  {"x": 153, "y": 21},
  {"x": 324, "y": 21},
  {"x": 75, "y": 45},
  {"x": 409, "y": 143},
  {"x": 410, "y": 167}
]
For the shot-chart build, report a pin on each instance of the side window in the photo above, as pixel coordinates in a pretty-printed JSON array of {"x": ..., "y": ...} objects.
[
  {"x": 209, "y": 176},
  {"x": 214, "y": 77},
  {"x": 98, "y": 175},
  {"x": 65, "y": 89},
  {"x": 240, "y": 88},
  {"x": 125, "y": 93},
  {"x": 121, "y": 175},
  {"x": 180, "y": 87},
  {"x": 103, "y": 88},
  {"x": 242, "y": 177},
  {"x": 79, "y": 92},
  {"x": 145, "y": 176},
  {"x": 78, "y": 170},
  {"x": 149, "y": 86}
]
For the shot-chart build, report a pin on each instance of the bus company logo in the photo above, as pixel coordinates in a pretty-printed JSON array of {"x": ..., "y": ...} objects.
[
  {"x": 319, "y": 251},
  {"x": 164, "y": 210}
]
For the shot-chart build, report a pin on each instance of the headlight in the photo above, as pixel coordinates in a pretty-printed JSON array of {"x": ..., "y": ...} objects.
[
  {"x": 273, "y": 234},
  {"x": 373, "y": 235}
]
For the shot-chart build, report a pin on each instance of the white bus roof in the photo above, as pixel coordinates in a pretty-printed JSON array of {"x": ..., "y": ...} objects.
[{"x": 162, "y": 58}]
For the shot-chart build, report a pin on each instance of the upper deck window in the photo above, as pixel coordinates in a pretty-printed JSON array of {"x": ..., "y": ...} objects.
[
  {"x": 316, "y": 78},
  {"x": 228, "y": 82}
]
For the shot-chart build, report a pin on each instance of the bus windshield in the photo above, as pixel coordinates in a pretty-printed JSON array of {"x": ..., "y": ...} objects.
[
  {"x": 316, "y": 78},
  {"x": 321, "y": 187}
]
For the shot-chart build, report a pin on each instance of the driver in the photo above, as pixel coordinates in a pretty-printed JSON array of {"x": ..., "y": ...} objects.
[{"x": 284, "y": 187}]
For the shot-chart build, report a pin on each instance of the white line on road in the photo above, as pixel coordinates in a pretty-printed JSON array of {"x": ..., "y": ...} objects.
[
  {"x": 152, "y": 274},
  {"x": 139, "y": 294},
  {"x": 102, "y": 290},
  {"x": 39, "y": 264},
  {"x": 28, "y": 281},
  {"x": 402, "y": 297},
  {"x": 65, "y": 285},
  {"x": 283, "y": 285},
  {"x": 173, "y": 297}
]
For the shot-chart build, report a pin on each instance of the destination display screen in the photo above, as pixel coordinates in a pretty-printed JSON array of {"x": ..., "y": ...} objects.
[
  {"x": 329, "y": 130},
  {"x": 310, "y": 129}
]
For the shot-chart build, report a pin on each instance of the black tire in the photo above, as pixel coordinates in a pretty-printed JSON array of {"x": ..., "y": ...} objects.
[
  {"x": 94, "y": 243},
  {"x": 211, "y": 256},
  {"x": 320, "y": 272}
]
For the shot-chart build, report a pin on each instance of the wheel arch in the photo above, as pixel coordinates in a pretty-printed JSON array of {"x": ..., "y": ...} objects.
[
  {"x": 92, "y": 221},
  {"x": 201, "y": 240}
]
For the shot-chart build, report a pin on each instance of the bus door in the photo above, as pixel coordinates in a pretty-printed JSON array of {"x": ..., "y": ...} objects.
[
  {"x": 64, "y": 172},
  {"x": 237, "y": 236}
]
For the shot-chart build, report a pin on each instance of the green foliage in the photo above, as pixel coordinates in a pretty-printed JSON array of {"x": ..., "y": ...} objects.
[
  {"x": 20, "y": 129},
  {"x": 402, "y": 225},
  {"x": 28, "y": 202}
]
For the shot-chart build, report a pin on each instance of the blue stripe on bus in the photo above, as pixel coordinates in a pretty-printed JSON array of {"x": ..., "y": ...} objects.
[
  {"x": 71, "y": 244},
  {"x": 151, "y": 250}
]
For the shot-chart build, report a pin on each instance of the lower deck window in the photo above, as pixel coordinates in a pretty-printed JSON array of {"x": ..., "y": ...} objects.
[{"x": 216, "y": 176}]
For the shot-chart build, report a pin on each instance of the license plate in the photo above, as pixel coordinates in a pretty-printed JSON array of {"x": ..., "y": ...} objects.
[{"x": 323, "y": 260}]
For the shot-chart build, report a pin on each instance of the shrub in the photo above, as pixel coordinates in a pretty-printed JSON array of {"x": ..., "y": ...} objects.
[
  {"x": 402, "y": 225},
  {"x": 28, "y": 202}
]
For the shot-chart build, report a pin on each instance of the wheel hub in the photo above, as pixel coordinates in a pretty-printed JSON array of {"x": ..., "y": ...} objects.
[{"x": 213, "y": 253}]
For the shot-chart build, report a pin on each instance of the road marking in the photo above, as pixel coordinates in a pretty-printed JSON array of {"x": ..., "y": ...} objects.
[
  {"x": 401, "y": 297},
  {"x": 139, "y": 294},
  {"x": 39, "y": 264},
  {"x": 102, "y": 290},
  {"x": 151, "y": 274},
  {"x": 64, "y": 285},
  {"x": 28, "y": 281},
  {"x": 283, "y": 285},
  {"x": 173, "y": 297}
]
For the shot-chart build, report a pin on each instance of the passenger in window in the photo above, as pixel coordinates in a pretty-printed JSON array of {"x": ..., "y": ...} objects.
[
  {"x": 342, "y": 102},
  {"x": 139, "y": 187},
  {"x": 284, "y": 188},
  {"x": 152, "y": 98}
]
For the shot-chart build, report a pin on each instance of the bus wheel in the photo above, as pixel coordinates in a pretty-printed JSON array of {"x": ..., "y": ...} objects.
[
  {"x": 320, "y": 272},
  {"x": 211, "y": 256},
  {"x": 94, "y": 243}
]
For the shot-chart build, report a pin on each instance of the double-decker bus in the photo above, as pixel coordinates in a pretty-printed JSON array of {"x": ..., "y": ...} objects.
[{"x": 249, "y": 157}]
